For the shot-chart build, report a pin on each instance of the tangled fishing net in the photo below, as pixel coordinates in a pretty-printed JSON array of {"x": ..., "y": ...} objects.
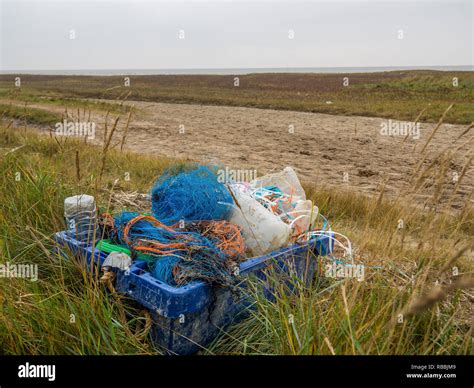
[
  {"x": 207, "y": 250},
  {"x": 183, "y": 242},
  {"x": 190, "y": 196}
]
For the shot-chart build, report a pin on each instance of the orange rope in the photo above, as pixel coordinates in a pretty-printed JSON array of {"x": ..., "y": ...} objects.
[
  {"x": 231, "y": 240},
  {"x": 153, "y": 250},
  {"x": 232, "y": 243},
  {"x": 152, "y": 246},
  {"x": 151, "y": 219}
]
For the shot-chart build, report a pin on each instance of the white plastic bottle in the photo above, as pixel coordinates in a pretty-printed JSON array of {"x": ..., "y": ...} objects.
[{"x": 80, "y": 214}]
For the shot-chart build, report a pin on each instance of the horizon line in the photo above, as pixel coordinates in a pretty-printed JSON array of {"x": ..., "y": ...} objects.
[{"x": 469, "y": 67}]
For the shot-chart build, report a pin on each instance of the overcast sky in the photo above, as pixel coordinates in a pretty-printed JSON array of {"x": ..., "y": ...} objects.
[{"x": 73, "y": 35}]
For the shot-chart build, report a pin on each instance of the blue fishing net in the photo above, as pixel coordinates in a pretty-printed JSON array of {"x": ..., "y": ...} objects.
[
  {"x": 198, "y": 259},
  {"x": 195, "y": 195},
  {"x": 162, "y": 269}
]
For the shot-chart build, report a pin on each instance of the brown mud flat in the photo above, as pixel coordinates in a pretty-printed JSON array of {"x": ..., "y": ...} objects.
[{"x": 346, "y": 152}]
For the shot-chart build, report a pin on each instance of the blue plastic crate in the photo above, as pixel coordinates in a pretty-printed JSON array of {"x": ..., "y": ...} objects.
[
  {"x": 82, "y": 250},
  {"x": 186, "y": 319}
]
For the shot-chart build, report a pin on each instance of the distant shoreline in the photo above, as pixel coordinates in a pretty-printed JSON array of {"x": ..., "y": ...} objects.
[{"x": 236, "y": 71}]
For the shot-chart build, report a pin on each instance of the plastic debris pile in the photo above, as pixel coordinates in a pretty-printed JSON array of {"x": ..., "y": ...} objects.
[
  {"x": 201, "y": 229},
  {"x": 188, "y": 237},
  {"x": 272, "y": 211}
]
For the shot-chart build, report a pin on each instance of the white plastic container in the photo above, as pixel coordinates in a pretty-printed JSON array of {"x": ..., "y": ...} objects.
[{"x": 262, "y": 230}]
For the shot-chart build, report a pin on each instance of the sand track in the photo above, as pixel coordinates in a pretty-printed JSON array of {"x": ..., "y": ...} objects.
[{"x": 344, "y": 151}]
